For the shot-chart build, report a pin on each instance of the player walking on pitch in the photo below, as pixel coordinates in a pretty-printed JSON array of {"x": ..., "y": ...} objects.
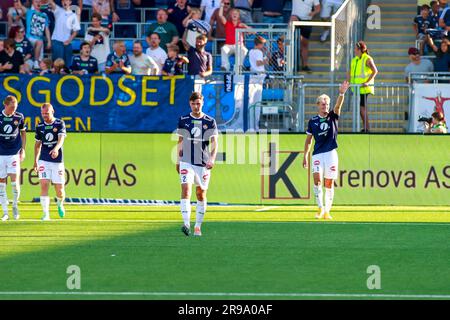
[
  {"x": 12, "y": 153},
  {"x": 196, "y": 132},
  {"x": 324, "y": 129},
  {"x": 48, "y": 158}
]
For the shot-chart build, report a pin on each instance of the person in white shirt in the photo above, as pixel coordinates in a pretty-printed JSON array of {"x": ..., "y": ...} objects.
[
  {"x": 302, "y": 11},
  {"x": 98, "y": 38},
  {"x": 66, "y": 29},
  {"x": 156, "y": 52},
  {"x": 208, "y": 7},
  {"x": 329, "y": 7},
  {"x": 256, "y": 56},
  {"x": 142, "y": 64}
]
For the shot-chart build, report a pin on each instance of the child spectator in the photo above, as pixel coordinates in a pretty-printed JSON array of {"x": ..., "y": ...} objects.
[
  {"x": 174, "y": 62},
  {"x": 46, "y": 66},
  {"x": 421, "y": 23},
  {"x": 37, "y": 30},
  {"x": 229, "y": 48},
  {"x": 59, "y": 67},
  {"x": 277, "y": 61}
]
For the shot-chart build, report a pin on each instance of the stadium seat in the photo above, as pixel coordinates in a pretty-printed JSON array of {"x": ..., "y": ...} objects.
[{"x": 273, "y": 94}]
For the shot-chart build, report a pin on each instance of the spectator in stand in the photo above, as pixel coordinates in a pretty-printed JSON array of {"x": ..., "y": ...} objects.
[
  {"x": 417, "y": 63},
  {"x": 208, "y": 7},
  {"x": 421, "y": 23},
  {"x": 174, "y": 63},
  {"x": 167, "y": 31},
  {"x": 37, "y": 30},
  {"x": 103, "y": 7},
  {"x": 257, "y": 14},
  {"x": 45, "y": 8},
  {"x": 218, "y": 26},
  {"x": 195, "y": 26},
  {"x": 46, "y": 66},
  {"x": 444, "y": 20},
  {"x": 328, "y": 8},
  {"x": 245, "y": 10},
  {"x": 124, "y": 11},
  {"x": 59, "y": 67},
  {"x": 98, "y": 37},
  {"x": 84, "y": 63},
  {"x": 11, "y": 61},
  {"x": 229, "y": 48},
  {"x": 434, "y": 14},
  {"x": 442, "y": 60},
  {"x": 23, "y": 46},
  {"x": 272, "y": 11},
  {"x": 194, "y": 3},
  {"x": 156, "y": 52},
  {"x": 117, "y": 61},
  {"x": 142, "y": 64},
  {"x": 277, "y": 60},
  {"x": 301, "y": 11},
  {"x": 258, "y": 58},
  {"x": 443, "y": 4},
  {"x": 66, "y": 29},
  {"x": 16, "y": 15},
  {"x": 2, "y": 45},
  {"x": 177, "y": 13},
  {"x": 200, "y": 61}
]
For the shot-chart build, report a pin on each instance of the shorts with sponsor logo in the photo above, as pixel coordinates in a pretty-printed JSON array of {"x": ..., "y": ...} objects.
[
  {"x": 194, "y": 175},
  {"x": 53, "y": 171},
  {"x": 326, "y": 164},
  {"x": 9, "y": 165}
]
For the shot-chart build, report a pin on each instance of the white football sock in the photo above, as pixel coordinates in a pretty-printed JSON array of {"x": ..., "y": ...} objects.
[
  {"x": 201, "y": 210},
  {"x": 45, "y": 203},
  {"x": 16, "y": 192},
  {"x": 185, "y": 205},
  {"x": 329, "y": 195},
  {"x": 318, "y": 192},
  {"x": 4, "y": 198}
]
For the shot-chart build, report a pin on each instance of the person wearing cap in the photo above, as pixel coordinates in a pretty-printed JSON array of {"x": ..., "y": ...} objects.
[
  {"x": 417, "y": 63},
  {"x": 363, "y": 72}
]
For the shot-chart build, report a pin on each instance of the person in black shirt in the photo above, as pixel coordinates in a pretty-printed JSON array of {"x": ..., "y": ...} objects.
[
  {"x": 84, "y": 63},
  {"x": 11, "y": 61}
]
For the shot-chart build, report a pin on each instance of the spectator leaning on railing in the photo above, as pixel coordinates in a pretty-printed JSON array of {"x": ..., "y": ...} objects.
[
  {"x": 229, "y": 48},
  {"x": 142, "y": 64},
  {"x": 98, "y": 38},
  {"x": 155, "y": 51},
  {"x": 84, "y": 63},
  {"x": 301, "y": 11},
  {"x": 117, "y": 61},
  {"x": 66, "y": 29},
  {"x": 11, "y": 61},
  {"x": 167, "y": 31},
  {"x": 37, "y": 30},
  {"x": 417, "y": 64}
]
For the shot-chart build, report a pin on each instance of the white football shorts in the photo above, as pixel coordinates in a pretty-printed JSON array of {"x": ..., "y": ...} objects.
[
  {"x": 53, "y": 171},
  {"x": 194, "y": 175},
  {"x": 9, "y": 165},
  {"x": 326, "y": 164}
]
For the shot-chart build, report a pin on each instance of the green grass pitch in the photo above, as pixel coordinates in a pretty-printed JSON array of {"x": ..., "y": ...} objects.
[{"x": 244, "y": 253}]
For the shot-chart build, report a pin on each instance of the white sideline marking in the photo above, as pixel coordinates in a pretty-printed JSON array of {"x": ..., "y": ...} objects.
[
  {"x": 265, "y": 209},
  {"x": 231, "y": 294},
  {"x": 57, "y": 220}
]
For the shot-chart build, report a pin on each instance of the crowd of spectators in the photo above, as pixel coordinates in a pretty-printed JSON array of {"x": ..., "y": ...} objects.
[
  {"x": 432, "y": 30},
  {"x": 47, "y": 29}
]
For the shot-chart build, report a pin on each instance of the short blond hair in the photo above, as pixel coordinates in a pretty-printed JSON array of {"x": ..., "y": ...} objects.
[
  {"x": 9, "y": 99},
  {"x": 323, "y": 97}
]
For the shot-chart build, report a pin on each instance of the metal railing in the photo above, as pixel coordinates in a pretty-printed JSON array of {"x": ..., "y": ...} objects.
[
  {"x": 387, "y": 111},
  {"x": 434, "y": 77}
]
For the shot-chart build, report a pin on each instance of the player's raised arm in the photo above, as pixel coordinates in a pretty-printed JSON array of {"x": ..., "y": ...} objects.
[{"x": 340, "y": 101}]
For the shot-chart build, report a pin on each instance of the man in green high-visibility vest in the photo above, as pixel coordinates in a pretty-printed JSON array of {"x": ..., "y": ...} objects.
[{"x": 363, "y": 72}]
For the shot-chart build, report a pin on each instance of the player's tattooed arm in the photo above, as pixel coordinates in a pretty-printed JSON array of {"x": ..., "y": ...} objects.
[
  {"x": 37, "y": 153},
  {"x": 340, "y": 101},
  {"x": 307, "y": 149},
  {"x": 179, "y": 153}
]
